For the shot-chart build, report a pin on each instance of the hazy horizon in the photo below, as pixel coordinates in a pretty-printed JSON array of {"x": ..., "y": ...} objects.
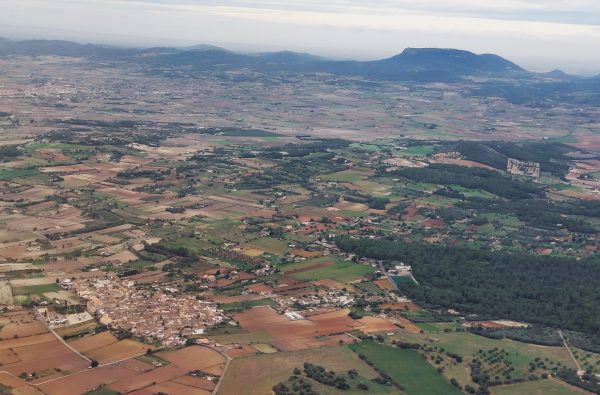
[{"x": 537, "y": 35}]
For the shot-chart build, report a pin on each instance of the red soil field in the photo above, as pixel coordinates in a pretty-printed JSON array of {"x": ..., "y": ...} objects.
[
  {"x": 311, "y": 267},
  {"x": 26, "y": 341},
  {"x": 260, "y": 287},
  {"x": 296, "y": 334},
  {"x": 401, "y": 306},
  {"x": 12, "y": 381},
  {"x": 409, "y": 212},
  {"x": 182, "y": 361},
  {"x": 241, "y": 351},
  {"x": 48, "y": 355},
  {"x": 375, "y": 324},
  {"x": 384, "y": 283},
  {"x": 91, "y": 342},
  {"x": 170, "y": 387},
  {"x": 195, "y": 382},
  {"x": 118, "y": 351},
  {"x": 329, "y": 283},
  {"x": 22, "y": 329},
  {"x": 86, "y": 381},
  {"x": 8, "y": 356}
]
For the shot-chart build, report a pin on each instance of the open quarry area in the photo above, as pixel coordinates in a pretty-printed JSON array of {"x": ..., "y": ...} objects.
[{"x": 166, "y": 230}]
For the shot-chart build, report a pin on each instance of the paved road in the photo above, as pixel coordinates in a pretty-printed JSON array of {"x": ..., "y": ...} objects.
[
  {"x": 88, "y": 369},
  {"x": 216, "y": 389},
  {"x": 382, "y": 268}
]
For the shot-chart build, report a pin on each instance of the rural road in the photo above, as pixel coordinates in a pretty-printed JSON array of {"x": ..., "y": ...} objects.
[
  {"x": 216, "y": 389},
  {"x": 570, "y": 352},
  {"x": 37, "y": 315},
  {"x": 382, "y": 268}
]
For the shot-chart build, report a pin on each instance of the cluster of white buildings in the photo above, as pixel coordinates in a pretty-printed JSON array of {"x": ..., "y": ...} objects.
[
  {"x": 153, "y": 313},
  {"x": 331, "y": 298}
]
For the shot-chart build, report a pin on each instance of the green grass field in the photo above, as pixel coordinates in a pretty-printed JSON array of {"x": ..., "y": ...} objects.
[
  {"x": 309, "y": 262},
  {"x": 407, "y": 367},
  {"x": 587, "y": 360},
  {"x": 419, "y": 150},
  {"x": 467, "y": 345},
  {"x": 373, "y": 188},
  {"x": 9, "y": 174},
  {"x": 369, "y": 287},
  {"x": 400, "y": 280},
  {"x": 341, "y": 271},
  {"x": 506, "y": 220},
  {"x": 352, "y": 213},
  {"x": 477, "y": 193},
  {"x": 61, "y": 146},
  {"x": 248, "y": 304},
  {"x": 225, "y": 228},
  {"x": 365, "y": 147},
  {"x": 262, "y": 372},
  {"x": 194, "y": 246},
  {"x": 427, "y": 327},
  {"x": 437, "y": 201},
  {"x": 271, "y": 245},
  {"x": 540, "y": 387},
  {"x": 565, "y": 187},
  {"x": 344, "y": 176},
  {"x": 102, "y": 391},
  {"x": 489, "y": 229},
  {"x": 36, "y": 289}
]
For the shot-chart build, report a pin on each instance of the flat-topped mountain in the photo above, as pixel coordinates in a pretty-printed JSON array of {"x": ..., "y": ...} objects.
[{"x": 451, "y": 59}]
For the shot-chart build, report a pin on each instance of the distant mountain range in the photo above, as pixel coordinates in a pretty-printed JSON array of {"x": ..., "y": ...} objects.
[
  {"x": 419, "y": 65},
  {"x": 413, "y": 64}
]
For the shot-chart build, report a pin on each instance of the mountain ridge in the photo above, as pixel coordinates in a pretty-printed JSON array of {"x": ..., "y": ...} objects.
[{"x": 412, "y": 64}]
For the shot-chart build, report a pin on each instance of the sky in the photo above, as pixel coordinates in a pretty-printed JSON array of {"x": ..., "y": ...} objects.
[{"x": 540, "y": 35}]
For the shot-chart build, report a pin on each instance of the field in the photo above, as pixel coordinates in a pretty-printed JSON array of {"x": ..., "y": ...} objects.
[
  {"x": 420, "y": 150},
  {"x": 346, "y": 176},
  {"x": 182, "y": 361},
  {"x": 256, "y": 375},
  {"x": 288, "y": 334},
  {"x": 264, "y": 348},
  {"x": 6, "y": 296},
  {"x": 102, "y": 391},
  {"x": 587, "y": 360},
  {"x": 438, "y": 326},
  {"x": 247, "y": 304},
  {"x": 117, "y": 351},
  {"x": 542, "y": 387},
  {"x": 77, "y": 329},
  {"x": 143, "y": 193},
  {"x": 89, "y": 343},
  {"x": 271, "y": 245},
  {"x": 132, "y": 374},
  {"x": 9, "y": 174},
  {"x": 36, "y": 289},
  {"x": 41, "y": 355},
  {"x": 341, "y": 271},
  {"x": 241, "y": 337},
  {"x": 407, "y": 367},
  {"x": 468, "y": 345}
]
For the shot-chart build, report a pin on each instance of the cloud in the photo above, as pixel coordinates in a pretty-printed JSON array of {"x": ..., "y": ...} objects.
[{"x": 560, "y": 11}]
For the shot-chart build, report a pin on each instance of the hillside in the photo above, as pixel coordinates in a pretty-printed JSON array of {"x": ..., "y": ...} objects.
[{"x": 413, "y": 64}]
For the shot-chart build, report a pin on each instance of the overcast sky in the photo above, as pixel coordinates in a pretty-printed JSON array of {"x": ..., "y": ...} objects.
[{"x": 537, "y": 34}]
